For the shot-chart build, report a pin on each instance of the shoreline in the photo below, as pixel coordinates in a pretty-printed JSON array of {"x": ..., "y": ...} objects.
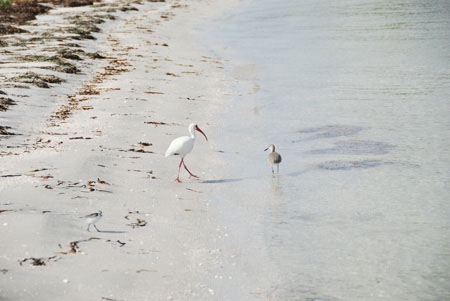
[{"x": 101, "y": 147}]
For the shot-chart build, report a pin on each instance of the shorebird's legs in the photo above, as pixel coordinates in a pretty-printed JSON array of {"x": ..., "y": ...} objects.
[
  {"x": 191, "y": 174},
  {"x": 178, "y": 175}
]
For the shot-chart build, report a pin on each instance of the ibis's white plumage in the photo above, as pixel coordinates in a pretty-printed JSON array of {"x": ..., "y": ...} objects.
[{"x": 182, "y": 146}]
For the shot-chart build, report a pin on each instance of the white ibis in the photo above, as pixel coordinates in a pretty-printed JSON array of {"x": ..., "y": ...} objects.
[
  {"x": 93, "y": 218},
  {"x": 274, "y": 158},
  {"x": 182, "y": 146}
]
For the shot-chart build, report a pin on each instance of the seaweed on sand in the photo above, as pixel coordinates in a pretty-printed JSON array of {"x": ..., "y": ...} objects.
[
  {"x": 38, "y": 80},
  {"x": 62, "y": 65},
  {"x": 4, "y": 131},
  {"x": 5, "y": 102}
]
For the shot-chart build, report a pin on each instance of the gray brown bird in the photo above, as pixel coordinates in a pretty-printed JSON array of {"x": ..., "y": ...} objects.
[{"x": 274, "y": 158}]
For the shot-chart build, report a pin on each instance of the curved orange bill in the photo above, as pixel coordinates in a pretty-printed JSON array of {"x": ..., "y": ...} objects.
[{"x": 198, "y": 129}]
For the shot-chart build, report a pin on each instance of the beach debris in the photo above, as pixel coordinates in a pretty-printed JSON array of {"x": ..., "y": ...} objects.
[
  {"x": 91, "y": 185},
  {"x": 66, "y": 110},
  {"x": 38, "y": 169},
  {"x": 121, "y": 244},
  {"x": 145, "y": 144},
  {"x": 156, "y": 123},
  {"x": 153, "y": 92},
  {"x": 74, "y": 247},
  {"x": 4, "y": 131},
  {"x": 194, "y": 190},
  {"x": 144, "y": 270},
  {"x": 89, "y": 90},
  {"x": 10, "y": 176},
  {"x": 140, "y": 151},
  {"x": 38, "y": 80},
  {"x": 61, "y": 64},
  {"x": 81, "y": 34},
  {"x": 76, "y": 3},
  {"x": 130, "y": 213},
  {"x": 5, "y": 102},
  {"x": 71, "y": 54},
  {"x": 80, "y": 138},
  {"x": 8, "y": 29},
  {"x": 95, "y": 55},
  {"x": 102, "y": 182},
  {"x": 22, "y": 11},
  {"x": 110, "y": 299},
  {"x": 46, "y": 177},
  {"x": 39, "y": 261},
  {"x": 127, "y": 8},
  {"x": 139, "y": 223}
]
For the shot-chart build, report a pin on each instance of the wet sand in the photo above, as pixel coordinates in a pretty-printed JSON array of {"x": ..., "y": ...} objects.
[{"x": 96, "y": 141}]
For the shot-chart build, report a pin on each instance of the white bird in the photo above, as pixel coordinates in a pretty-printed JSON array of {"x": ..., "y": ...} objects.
[
  {"x": 274, "y": 158},
  {"x": 93, "y": 218},
  {"x": 182, "y": 146}
]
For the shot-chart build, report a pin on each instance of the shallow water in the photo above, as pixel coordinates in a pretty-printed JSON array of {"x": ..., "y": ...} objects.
[{"x": 355, "y": 95}]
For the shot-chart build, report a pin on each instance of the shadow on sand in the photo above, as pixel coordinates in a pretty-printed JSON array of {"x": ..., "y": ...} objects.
[{"x": 112, "y": 231}]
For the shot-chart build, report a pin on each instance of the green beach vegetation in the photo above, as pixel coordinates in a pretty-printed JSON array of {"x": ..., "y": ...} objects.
[{"x": 5, "y": 3}]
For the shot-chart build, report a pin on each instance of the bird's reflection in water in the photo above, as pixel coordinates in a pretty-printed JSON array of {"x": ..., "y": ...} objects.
[{"x": 276, "y": 187}]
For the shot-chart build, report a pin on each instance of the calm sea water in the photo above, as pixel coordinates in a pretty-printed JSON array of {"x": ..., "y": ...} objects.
[{"x": 356, "y": 97}]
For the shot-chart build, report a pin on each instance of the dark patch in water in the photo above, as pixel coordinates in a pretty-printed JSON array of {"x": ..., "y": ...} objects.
[
  {"x": 356, "y": 147},
  {"x": 294, "y": 291},
  {"x": 346, "y": 165},
  {"x": 328, "y": 131}
]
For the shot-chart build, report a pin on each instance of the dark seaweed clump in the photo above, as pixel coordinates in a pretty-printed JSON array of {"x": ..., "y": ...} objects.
[
  {"x": 62, "y": 65},
  {"x": 5, "y": 102},
  {"x": 4, "y": 131},
  {"x": 19, "y": 12},
  {"x": 38, "y": 80}
]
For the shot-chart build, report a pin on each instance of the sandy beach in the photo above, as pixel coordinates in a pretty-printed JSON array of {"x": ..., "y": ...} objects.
[
  {"x": 353, "y": 94},
  {"x": 96, "y": 141}
]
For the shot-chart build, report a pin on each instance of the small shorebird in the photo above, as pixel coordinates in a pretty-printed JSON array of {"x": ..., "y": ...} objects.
[
  {"x": 182, "y": 146},
  {"x": 274, "y": 158},
  {"x": 93, "y": 218}
]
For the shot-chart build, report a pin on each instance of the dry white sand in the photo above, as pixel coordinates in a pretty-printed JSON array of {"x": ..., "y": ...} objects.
[{"x": 160, "y": 240}]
